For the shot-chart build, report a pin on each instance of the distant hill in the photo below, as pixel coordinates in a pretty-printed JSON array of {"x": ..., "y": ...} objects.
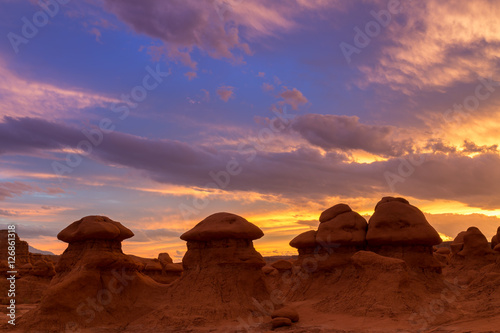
[
  {"x": 33, "y": 250},
  {"x": 272, "y": 259}
]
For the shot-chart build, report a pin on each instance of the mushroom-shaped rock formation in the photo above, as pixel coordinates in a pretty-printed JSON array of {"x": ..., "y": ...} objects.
[
  {"x": 475, "y": 250},
  {"x": 333, "y": 211},
  {"x": 348, "y": 229},
  {"x": 341, "y": 236},
  {"x": 222, "y": 275},
  {"x": 458, "y": 243},
  {"x": 95, "y": 282},
  {"x": 223, "y": 226},
  {"x": 220, "y": 239},
  {"x": 400, "y": 230},
  {"x": 307, "y": 247},
  {"x": 495, "y": 238},
  {"x": 94, "y": 228}
]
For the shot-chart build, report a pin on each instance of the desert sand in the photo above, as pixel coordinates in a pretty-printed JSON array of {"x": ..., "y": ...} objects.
[{"x": 388, "y": 274}]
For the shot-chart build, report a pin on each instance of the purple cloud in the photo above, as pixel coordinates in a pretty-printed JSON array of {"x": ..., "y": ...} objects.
[
  {"x": 303, "y": 174},
  {"x": 346, "y": 133}
]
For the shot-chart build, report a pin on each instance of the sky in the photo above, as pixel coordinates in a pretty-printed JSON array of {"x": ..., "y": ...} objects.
[{"x": 159, "y": 113}]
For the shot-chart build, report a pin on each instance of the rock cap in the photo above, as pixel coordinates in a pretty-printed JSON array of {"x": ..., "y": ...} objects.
[
  {"x": 334, "y": 211},
  {"x": 304, "y": 240},
  {"x": 396, "y": 222},
  {"x": 222, "y": 226},
  {"x": 94, "y": 227}
]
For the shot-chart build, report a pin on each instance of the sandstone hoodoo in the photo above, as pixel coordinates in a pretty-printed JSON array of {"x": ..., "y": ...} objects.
[
  {"x": 400, "y": 230},
  {"x": 340, "y": 234},
  {"x": 95, "y": 282},
  {"x": 222, "y": 270},
  {"x": 306, "y": 245},
  {"x": 495, "y": 238},
  {"x": 474, "y": 249},
  {"x": 458, "y": 243}
]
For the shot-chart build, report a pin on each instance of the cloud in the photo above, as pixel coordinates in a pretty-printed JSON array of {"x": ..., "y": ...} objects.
[
  {"x": 148, "y": 235},
  {"x": 97, "y": 33},
  {"x": 346, "y": 133},
  {"x": 225, "y": 93},
  {"x": 32, "y": 231},
  {"x": 219, "y": 28},
  {"x": 261, "y": 74},
  {"x": 15, "y": 189},
  {"x": 437, "y": 145},
  {"x": 471, "y": 147},
  {"x": 435, "y": 44},
  {"x": 293, "y": 97},
  {"x": 4, "y": 212},
  {"x": 19, "y": 97},
  {"x": 451, "y": 224},
  {"x": 309, "y": 223},
  {"x": 302, "y": 173},
  {"x": 267, "y": 86},
  {"x": 206, "y": 95},
  {"x": 181, "y": 26},
  {"x": 191, "y": 75}
]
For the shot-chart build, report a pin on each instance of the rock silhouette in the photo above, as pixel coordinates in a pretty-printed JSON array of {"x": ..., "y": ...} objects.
[
  {"x": 222, "y": 276},
  {"x": 471, "y": 248},
  {"x": 95, "y": 283},
  {"x": 349, "y": 274},
  {"x": 400, "y": 230},
  {"x": 340, "y": 234}
]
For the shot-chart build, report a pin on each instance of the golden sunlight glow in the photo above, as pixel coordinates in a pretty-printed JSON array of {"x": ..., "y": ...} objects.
[
  {"x": 455, "y": 207},
  {"x": 445, "y": 238}
]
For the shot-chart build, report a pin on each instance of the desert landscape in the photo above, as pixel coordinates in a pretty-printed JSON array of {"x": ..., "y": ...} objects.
[
  {"x": 390, "y": 274},
  {"x": 238, "y": 166}
]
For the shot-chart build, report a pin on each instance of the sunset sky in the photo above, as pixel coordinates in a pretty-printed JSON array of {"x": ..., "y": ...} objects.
[{"x": 158, "y": 113}]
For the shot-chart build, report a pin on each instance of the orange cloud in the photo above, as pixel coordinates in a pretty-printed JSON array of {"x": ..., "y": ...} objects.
[{"x": 438, "y": 46}]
